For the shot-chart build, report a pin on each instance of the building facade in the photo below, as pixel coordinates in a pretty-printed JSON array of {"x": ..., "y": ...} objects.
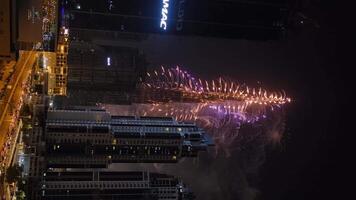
[
  {"x": 8, "y": 31},
  {"x": 248, "y": 19},
  {"x": 102, "y": 73},
  {"x": 57, "y": 74},
  {"x": 93, "y": 138},
  {"x": 112, "y": 185}
]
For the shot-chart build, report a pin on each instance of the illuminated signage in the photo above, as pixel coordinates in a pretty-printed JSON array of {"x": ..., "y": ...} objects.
[{"x": 164, "y": 13}]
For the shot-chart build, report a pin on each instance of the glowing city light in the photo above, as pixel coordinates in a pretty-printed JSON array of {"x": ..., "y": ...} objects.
[
  {"x": 221, "y": 107},
  {"x": 45, "y": 62},
  {"x": 181, "y": 82},
  {"x": 108, "y": 61},
  {"x": 164, "y": 13}
]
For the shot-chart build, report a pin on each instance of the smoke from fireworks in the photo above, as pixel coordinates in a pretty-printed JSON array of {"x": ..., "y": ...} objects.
[{"x": 221, "y": 107}]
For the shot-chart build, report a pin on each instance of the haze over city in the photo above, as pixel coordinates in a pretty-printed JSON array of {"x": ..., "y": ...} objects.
[{"x": 172, "y": 99}]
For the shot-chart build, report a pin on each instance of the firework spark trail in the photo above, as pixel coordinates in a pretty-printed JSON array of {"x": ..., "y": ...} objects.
[
  {"x": 220, "y": 107},
  {"x": 241, "y": 120},
  {"x": 176, "y": 79}
]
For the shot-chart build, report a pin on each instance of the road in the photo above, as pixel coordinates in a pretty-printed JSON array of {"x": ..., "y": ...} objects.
[
  {"x": 5, "y": 74},
  {"x": 12, "y": 100}
]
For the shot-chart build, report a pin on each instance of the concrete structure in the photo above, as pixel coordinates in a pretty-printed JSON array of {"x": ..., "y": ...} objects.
[
  {"x": 102, "y": 73},
  {"x": 57, "y": 75},
  {"x": 30, "y": 21},
  {"x": 34, "y": 161},
  {"x": 8, "y": 30},
  {"x": 112, "y": 185},
  {"x": 91, "y": 138},
  {"x": 247, "y": 19}
]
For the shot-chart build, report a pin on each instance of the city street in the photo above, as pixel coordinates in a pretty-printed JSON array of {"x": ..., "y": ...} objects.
[
  {"x": 6, "y": 71},
  {"x": 10, "y": 107}
]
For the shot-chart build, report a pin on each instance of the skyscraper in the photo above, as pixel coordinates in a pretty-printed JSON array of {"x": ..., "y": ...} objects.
[
  {"x": 248, "y": 19},
  {"x": 93, "y": 138},
  {"x": 8, "y": 32},
  {"x": 102, "y": 73},
  {"x": 90, "y": 184}
]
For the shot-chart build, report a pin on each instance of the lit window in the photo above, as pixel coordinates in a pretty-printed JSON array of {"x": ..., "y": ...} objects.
[{"x": 108, "y": 61}]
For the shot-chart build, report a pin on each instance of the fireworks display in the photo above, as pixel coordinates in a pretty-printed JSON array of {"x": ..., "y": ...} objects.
[
  {"x": 176, "y": 79},
  {"x": 221, "y": 107}
]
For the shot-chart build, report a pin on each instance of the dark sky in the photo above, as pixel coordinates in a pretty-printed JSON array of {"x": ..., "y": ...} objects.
[{"x": 309, "y": 67}]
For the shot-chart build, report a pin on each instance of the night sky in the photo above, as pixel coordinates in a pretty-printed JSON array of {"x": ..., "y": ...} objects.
[{"x": 309, "y": 65}]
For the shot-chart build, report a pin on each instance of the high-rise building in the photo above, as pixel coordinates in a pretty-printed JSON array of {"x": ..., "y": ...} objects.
[
  {"x": 8, "y": 30},
  {"x": 83, "y": 138},
  {"x": 248, "y": 19},
  {"x": 112, "y": 185},
  {"x": 57, "y": 74},
  {"x": 100, "y": 70},
  {"x": 102, "y": 73}
]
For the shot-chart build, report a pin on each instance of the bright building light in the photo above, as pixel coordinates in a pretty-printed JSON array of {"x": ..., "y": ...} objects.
[
  {"x": 108, "y": 61},
  {"x": 44, "y": 62},
  {"x": 164, "y": 13}
]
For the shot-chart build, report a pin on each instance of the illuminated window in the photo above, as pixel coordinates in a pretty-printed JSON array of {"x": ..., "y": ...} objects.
[{"x": 108, "y": 61}]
